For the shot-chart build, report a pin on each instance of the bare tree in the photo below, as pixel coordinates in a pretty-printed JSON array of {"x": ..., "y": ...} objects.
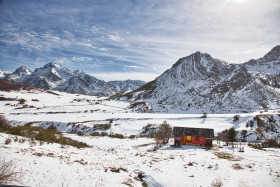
[{"x": 162, "y": 136}]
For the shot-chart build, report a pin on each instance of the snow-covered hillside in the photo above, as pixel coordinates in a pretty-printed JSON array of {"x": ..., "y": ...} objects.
[
  {"x": 200, "y": 83},
  {"x": 81, "y": 113}
]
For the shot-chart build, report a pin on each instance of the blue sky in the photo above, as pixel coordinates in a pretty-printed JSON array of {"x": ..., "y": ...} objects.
[{"x": 133, "y": 39}]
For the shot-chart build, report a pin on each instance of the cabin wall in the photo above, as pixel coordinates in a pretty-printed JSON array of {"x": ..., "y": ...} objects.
[{"x": 192, "y": 140}]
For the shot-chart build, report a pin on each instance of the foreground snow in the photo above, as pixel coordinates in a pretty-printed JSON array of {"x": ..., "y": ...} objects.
[{"x": 118, "y": 162}]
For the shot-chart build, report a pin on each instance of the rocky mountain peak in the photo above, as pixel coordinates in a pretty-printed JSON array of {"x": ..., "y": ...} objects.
[
  {"x": 22, "y": 71},
  {"x": 274, "y": 54},
  {"x": 56, "y": 77},
  {"x": 52, "y": 65},
  {"x": 200, "y": 83}
]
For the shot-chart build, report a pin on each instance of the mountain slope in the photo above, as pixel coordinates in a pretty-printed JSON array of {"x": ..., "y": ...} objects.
[
  {"x": 124, "y": 86},
  {"x": 83, "y": 83},
  {"x": 54, "y": 76},
  {"x": 200, "y": 83}
]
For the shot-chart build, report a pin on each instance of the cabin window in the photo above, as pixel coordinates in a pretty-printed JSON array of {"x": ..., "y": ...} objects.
[{"x": 197, "y": 138}]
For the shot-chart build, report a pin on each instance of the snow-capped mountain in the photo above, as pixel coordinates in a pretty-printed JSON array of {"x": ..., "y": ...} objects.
[
  {"x": 80, "y": 82},
  {"x": 3, "y": 73},
  {"x": 56, "y": 77},
  {"x": 267, "y": 69},
  {"x": 48, "y": 77},
  {"x": 124, "y": 86},
  {"x": 19, "y": 74},
  {"x": 200, "y": 83}
]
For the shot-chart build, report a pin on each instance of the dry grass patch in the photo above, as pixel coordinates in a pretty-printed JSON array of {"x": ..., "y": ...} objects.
[{"x": 227, "y": 156}]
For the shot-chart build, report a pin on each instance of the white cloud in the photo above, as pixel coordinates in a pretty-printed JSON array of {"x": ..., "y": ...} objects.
[
  {"x": 115, "y": 37},
  {"x": 148, "y": 33},
  {"x": 125, "y": 76},
  {"x": 134, "y": 67}
]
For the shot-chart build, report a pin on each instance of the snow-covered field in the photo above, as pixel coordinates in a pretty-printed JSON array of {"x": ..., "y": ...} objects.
[
  {"x": 118, "y": 162},
  {"x": 64, "y": 109}
]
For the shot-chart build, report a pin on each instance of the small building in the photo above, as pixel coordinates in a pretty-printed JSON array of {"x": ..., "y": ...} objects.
[{"x": 193, "y": 136}]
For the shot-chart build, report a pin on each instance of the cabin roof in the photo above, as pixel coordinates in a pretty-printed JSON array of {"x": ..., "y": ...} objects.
[{"x": 191, "y": 131}]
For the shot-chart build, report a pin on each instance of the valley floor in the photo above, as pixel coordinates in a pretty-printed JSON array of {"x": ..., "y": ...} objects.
[{"x": 120, "y": 162}]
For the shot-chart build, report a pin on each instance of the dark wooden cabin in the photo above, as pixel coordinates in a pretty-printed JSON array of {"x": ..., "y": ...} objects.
[{"x": 193, "y": 136}]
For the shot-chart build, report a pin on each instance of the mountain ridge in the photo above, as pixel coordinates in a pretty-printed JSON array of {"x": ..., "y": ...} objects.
[
  {"x": 53, "y": 76},
  {"x": 200, "y": 83}
]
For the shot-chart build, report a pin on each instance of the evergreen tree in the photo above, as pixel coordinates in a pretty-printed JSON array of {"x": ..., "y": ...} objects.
[{"x": 231, "y": 134}]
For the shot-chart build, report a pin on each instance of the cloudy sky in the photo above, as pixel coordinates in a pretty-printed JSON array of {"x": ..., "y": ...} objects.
[{"x": 133, "y": 39}]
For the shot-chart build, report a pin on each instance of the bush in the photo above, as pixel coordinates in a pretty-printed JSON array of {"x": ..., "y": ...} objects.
[
  {"x": 132, "y": 136},
  {"x": 217, "y": 183},
  {"x": 102, "y": 126},
  {"x": 8, "y": 141},
  {"x": 162, "y": 136},
  {"x": 271, "y": 143},
  {"x": 236, "y": 118},
  {"x": 47, "y": 135},
  {"x": 4, "y": 125},
  {"x": 120, "y": 136},
  {"x": 256, "y": 146},
  {"x": 149, "y": 130},
  {"x": 22, "y": 101},
  {"x": 250, "y": 123},
  {"x": 95, "y": 134},
  {"x": 8, "y": 172},
  {"x": 204, "y": 115}
]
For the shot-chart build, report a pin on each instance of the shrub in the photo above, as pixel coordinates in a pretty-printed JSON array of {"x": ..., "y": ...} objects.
[
  {"x": 150, "y": 128},
  {"x": 237, "y": 166},
  {"x": 4, "y": 125},
  {"x": 236, "y": 118},
  {"x": 103, "y": 134},
  {"x": 204, "y": 115},
  {"x": 132, "y": 136},
  {"x": 163, "y": 134},
  {"x": 8, "y": 141},
  {"x": 120, "y": 136},
  {"x": 95, "y": 134},
  {"x": 9, "y": 172},
  {"x": 217, "y": 183},
  {"x": 256, "y": 146},
  {"x": 102, "y": 126},
  {"x": 250, "y": 123},
  {"x": 68, "y": 141},
  {"x": 22, "y": 101},
  {"x": 47, "y": 135},
  {"x": 270, "y": 143},
  {"x": 260, "y": 122},
  {"x": 223, "y": 135}
]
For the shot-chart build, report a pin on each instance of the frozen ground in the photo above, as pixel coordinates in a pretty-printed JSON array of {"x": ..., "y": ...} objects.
[
  {"x": 118, "y": 162},
  {"x": 64, "y": 109}
]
